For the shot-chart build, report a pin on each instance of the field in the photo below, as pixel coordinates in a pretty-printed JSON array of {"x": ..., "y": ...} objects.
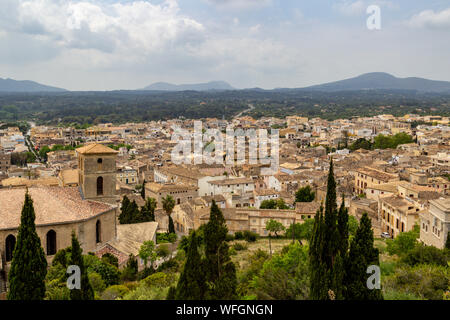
[{"x": 241, "y": 257}]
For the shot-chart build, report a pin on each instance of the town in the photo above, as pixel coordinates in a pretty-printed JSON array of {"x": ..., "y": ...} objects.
[{"x": 118, "y": 187}]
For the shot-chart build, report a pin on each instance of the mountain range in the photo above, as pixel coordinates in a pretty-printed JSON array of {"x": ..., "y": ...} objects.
[
  {"x": 368, "y": 81},
  {"x": 10, "y": 85},
  {"x": 380, "y": 81},
  {"x": 213, "y": 85}
]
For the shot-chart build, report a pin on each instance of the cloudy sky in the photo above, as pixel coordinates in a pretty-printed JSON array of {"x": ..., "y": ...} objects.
[{"x": 128, "y": 44}]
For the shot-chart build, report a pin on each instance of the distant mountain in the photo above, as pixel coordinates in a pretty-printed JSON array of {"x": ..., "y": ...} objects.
[
  {"x": 10, "y": 85},
  {"x": 381, "y": 80},
  {"x": 213, "y": 85}
]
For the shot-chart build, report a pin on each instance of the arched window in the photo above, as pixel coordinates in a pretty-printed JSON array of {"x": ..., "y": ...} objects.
[
  {"x": 51, "y": 243},
  {"x": 100, "y": 186},
  {"x": 10, "y": 243},
  {"x": 99, "y": 160},
  {"x": 98, "y": 232}
]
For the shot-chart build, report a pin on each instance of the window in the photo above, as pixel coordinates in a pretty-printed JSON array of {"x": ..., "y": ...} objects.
[
  {"x": 99, "y": 186},
  {"x": 98, "y": 232},
  {"x": 51, "y": 243},
  {"x": 10, "y": 243},
  {"x": 99, "y": 160}
]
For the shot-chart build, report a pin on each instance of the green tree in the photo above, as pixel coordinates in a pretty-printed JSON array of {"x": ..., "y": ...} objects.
[
  {"x": 305, "y": 194},
  {"x": 268, "y": 204},
  {"x": 284, "y": 276},
  {"x": 362, "y": 254},
  {"x": 220, "y": 271},
  {"x": 163, "y": 251},
  {"x": 281, "y": 204},
  {"x": 275, "y": 227},
  {"x": 129, "y": 273},
  {"x": 403, "y": 242},
  {"x": 147, "y": 252},
  {"x": 76, "y": 259},
  {"x": 43, "y": 152},
  {"x": 302, "y": 231},
  {"x": 125, "y": 216},
  {"x": 28, "y": 266},
  {"x": 361, "y": 143},
  {"x": 148, "y": 210},
  {"x": 191, "y": 284}
]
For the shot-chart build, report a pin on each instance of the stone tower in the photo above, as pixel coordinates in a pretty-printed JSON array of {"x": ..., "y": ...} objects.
[{"x": 97, "y": 172}]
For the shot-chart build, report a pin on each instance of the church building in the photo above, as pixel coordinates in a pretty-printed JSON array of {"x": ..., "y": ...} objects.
[{"x": 90, "y": 209}]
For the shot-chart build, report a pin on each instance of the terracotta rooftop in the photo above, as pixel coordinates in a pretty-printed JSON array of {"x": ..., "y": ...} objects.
[
  {"x": 96, "y": 148},
  {"x": 307, "y": 207},
  {"x": 52, "y": 205},
  {"x": 231, "y": 181}
]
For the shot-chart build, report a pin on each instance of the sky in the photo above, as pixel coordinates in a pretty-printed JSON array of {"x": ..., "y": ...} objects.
[{"x": 129, "y": 44}]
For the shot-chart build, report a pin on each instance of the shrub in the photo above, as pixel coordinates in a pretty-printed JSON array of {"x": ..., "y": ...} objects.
[
  {"x": 397, "y": 295},
  {"x": 240, "y": 246},
  {"x": 163, "y": 251},
  {"x": 111, "y": 259},
  {"x": 229, "y": 237},
  {"x": 387, "y": 268},
  {"x": 114, "y": 292},
  {"x": 424, "y": 281},
  {"x": 404, "y": 242},
  {"x": 172, "y": 237},
  {"x": 422, "y": 254},
  {"x": 250, "y": 236},
  {"x": 109, "y": 273},
  {"x": 232, "y": 251},
  {"x": 238, "y": 235},
  {"x": 145, "y": 273},
  {"x": 97, "y": 282},
  {"x": 170, "y": 265},
  {"x": 159, "y": 279}
]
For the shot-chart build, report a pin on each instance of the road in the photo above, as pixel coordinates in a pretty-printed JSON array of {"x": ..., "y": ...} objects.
[{"x": 250, "y": 108}]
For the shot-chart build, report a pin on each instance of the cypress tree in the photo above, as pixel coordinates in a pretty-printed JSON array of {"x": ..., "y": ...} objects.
[
  {"x": 220, "y": 272},
  {"x": 124, "y": 216},
  {"x": 361, "y": 255},
  {"x": 318, "y": 285},
  {"x": 76, "y": 259},
  {"x": 133, "y": 212},
  {"x": 29, "y": 265},
  {"x": 171, "y": 225},
  {"x": 331, "y": 243},
  {"x": 343, "y": 228},
  {"x": 143, "y": 190},
  {"x": 148, "y": 210},
  {"x": 190, "y": 285},
  {"x": 327, "y": 253}
]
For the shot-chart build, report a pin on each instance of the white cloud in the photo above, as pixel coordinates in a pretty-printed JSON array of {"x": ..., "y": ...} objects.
[
  {"x": 137, "y": 25},
  {"x": 350, "y": 8},
  {"x": 430, "y": 18},
  {"x": 240, "y": 4},
  {"x": 358, "y": 8}
]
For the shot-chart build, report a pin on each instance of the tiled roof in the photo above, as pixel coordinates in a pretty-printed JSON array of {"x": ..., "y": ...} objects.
[
  {"x": 96, "y": 148},
  {"x": 51, "y": 204}
]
